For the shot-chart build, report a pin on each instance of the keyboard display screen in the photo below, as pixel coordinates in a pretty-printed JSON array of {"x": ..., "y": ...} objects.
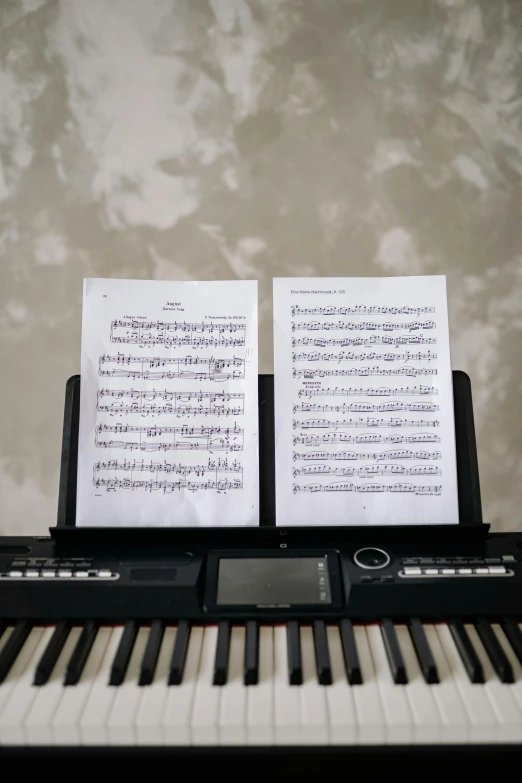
[{"x": 270, "y": 581}]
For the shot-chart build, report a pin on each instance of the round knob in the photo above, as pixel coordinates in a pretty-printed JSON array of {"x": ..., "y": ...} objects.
[{"x": 371, "y": 558}]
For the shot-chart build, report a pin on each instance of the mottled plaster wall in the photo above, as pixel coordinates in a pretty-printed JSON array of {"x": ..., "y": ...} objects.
[{"x": 180, "y": 139}]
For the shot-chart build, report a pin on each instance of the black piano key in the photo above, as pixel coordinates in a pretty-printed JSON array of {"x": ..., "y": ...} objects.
[
  {"x": 81, "y": 652},
  {"x": 351, "y": 656},
  {"x": 466, "y": 650},
  {"x": 295, "y": 661},
  {"x": 496, "y": 654},
  {"x": 424, "y": 654},
  {"x": 51, "y": 653},
  {"x": 513, "y": 635},
  {"x": 150, "y": 656},
  {"x": 12, "y": 647},
  {"x": 3, "y": 626},
  {"x": 123, "y": 653},
  {"x": 322, "y": 654},
  {"x": 251, "y": 653},
  {"x": 179, "y": 653},
  {"x": 222, "y": 651},
  {"x": 393, "y": 651}
]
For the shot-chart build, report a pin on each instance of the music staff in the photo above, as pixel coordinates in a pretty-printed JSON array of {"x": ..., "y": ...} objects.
[
  {"x": 213, "y": 466},
  {"x": 360, "y": 310},
  {"x": 167, "y": 486},
  {"x": 363, "y": 326},
  {"x": 172, "y": 327},
  {"x": 364, "y": 372},
  {"x": 365, "y": 407},
  {"x": 369, "y": 470},
  {"x": 187, "y": 438},
  {"x": 156, "y": 367},
  {"x": 180, "y": 403},
  {"x": 364, "y": 342},
  {"x": 315, "y": 356},
  {"x": 356, "y": 455},
  {"x": 325, "y": 424},
  {"x": 382, "y": 391},
  {"x": 413, "y": 488},
  {"x": 342, "y": 437}
]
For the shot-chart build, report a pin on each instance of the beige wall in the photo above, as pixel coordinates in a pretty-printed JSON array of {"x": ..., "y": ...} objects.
[{"x": 217, "y": 139}]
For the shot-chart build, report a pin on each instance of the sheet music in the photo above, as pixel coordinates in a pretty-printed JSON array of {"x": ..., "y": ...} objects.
[
  {"x": 363, "y": 402},
  {"x": 169, "y": 416}
]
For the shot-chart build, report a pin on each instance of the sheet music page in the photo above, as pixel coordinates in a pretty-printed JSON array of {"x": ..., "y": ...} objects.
[
  {"x": 168, "y": 415},
  {"x": 364, "y": 423}
]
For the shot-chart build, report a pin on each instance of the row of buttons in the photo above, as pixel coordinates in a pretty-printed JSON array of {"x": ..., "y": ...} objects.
[
  {"x": 463, "y": 561},
  {"x": 485, "y": 571},
  {"x": 47, "y": 574}
]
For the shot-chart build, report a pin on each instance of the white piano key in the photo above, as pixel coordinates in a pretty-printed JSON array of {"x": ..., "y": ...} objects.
[
  {"x": 260, "y": 697},
  {"x": 154, "y": 699},
  {"x": 455, "y": 721},
  {"x": 483, "y": 721},
  {"x": 205, "y": 711},
  {"x": 427, "y": 721},
  {"x": 38, "y": 721},
  {"x": 397, "y": 713},
  {"x": 502, "y": 700},
  {"x": 287, "y": 702},
  {"x": 128, "y": 696},
  {"x": 232, "y": 711},
  {"x": 339, "y": 695},
  {"x": 367, "y": 699},
  {"x": 516, "y": 687},
  {"x": 180, "y": 698},
  {"x": 314, "y": 714},
  {"x": 19, "y": 666},
  {"x": 23, "y": 694},
  {"x": 66, "y": 721},
  {"x": 93, "y": 721}
]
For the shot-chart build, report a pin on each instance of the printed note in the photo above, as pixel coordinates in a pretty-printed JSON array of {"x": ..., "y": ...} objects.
[
  {"x": 169, "y": 416},
  {"x": 363, "y": 402}
]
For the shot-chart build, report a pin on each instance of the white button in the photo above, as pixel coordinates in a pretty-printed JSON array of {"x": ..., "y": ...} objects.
[
  {"x": 465, "y": 571},
  {"x": 15, "y": 574},
  {"x": 65, "y": 574},
  {"x": 32, "y": 574},
  {"x": 448, "y": 571},
  {"x": 48, "y": 574},
  {"x": 497, "y": 570},
  {"x": 104, "y": 574},
  {"x": 412, "y": 571},
  {"x": 431, "y": 571},
  {"x": 508, "y": 559},
  {"x": 481, "y": 570},
  {"x": 81, "y": 574}
]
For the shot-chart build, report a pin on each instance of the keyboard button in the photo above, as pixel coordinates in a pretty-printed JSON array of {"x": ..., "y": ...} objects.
[
  {"x": 205, "y": 713},
  {"x": 65, "y": 574},
  {"x": 179, "y": 653},
  {"x": 287, "y": 703},
  {"x": 397, "y": 713},
  {"x": 180, "y": 700},
  {"x": 295, "y": 665},
  {"x": 497, "y": 570},
  {"x": 122, "y": 658},
  {"x": 351, "y": 658},
  {"x": 431, "y": 571},
  {"x": 122, "y": 717},
  {"x": 150, "y": 656},
  {"x": 339, "y": 697},
  {"x": 322, "y": 656},
  {"x": 47, "y": 574},
  {"x": 222, "y": 652},
  {"x": 494, "y": 650},
  {"x": 81, "y": 653},
  {"x": 465, "y": 571},
  {"x": 314, "y": 718},
  {"x": 393, "y": 653},
  {"x": 412, "y": 571},
  {"x": 423, "y": 652},
  {"x": 16, "y": 574},
  {"x": 12, "y": 647},
  {"x": 251, "y": 664},
  {"x": 232, "y": 710},
  {"x": 260, "y": 696},
  {"x": 466, "y": 651},
  {"x": 31, "y": 574},
  {"x": 52, "y": 653},
  {"x": 149, "y": 719},
  {"x": 104, "y": 574},
  {"x": 448, "y": 571},
  {"x": 81, "y": 574},
  {"x": 481, "y": 571}
]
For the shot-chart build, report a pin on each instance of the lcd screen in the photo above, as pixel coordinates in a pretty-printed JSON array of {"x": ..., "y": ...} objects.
[{"x": 273, "y": 581}]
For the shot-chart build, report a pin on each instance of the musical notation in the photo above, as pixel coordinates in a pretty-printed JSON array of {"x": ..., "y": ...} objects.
[
  {"x": 190, "y": 403},
  {"x": 155, "y": 367},
  {"x": 178, "y": 333},
  {"x": 365, "y": 407},
  {"x": 167, "y": 486},
  {"x": 369, "y": 470},
  {"x": 315, "y": 356},
  {"x": 363, "y": 455},
  {"x": 364, "y": 372},
  {"x": 326, "y": 424},
  {"x": 363, "y": 326},
  {"x": 413, "y": 488},
  {"x": 213, "y": 466},
  {"x": 382, "y": 391},
  {"x": 184, "y": 438},
  {"x": 364, "y": 342},
  {"x": 360, "y": 310},
  {"x": 342, "y": 437}
]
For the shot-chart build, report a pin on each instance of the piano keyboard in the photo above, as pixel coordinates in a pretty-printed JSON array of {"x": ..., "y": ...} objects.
[{"x": 286, "y": 684}]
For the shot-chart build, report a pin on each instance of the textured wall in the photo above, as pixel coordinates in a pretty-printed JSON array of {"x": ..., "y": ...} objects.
[{"x": 180, "y": 139}]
